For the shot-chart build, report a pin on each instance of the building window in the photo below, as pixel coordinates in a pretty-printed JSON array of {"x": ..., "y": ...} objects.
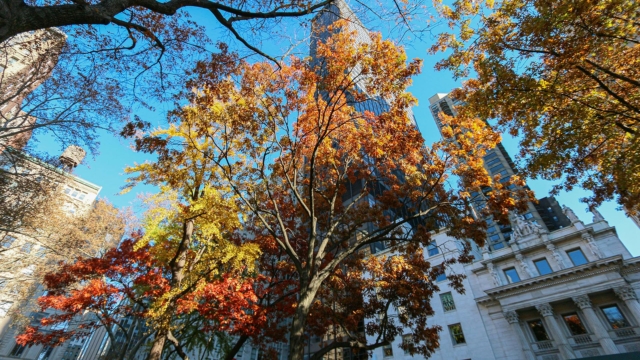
[
  {"x": 45, "y": 353},
  {"x": 36, "y": 318},
  {"x": 75, "y": 193},
  {"x": 512, "y": 275},
  {"x": 577, "y": 257},
  {"x": 432, "y": 248},
  {"x": 42, "y": 251},
  {"x": 60, "y": 326},
  {"x": 496, "y": 169},
  {"x": 543, "y": 266},
  {"x": 447, "y": 301},
  {"x": 407, "y": 340},
  {"x": 69, "y": 208},
  {"x": 494, "y": 238},
  {"x": 490, "y": 156},
  {"x": 441, "y": 277},
  {"x": 614, "y": 316},
  {"x": 538, "y": 331},
  {"x": 492, "y": 162},
  {"x": 17, "y": 350},
  {"x": 574, "y": 324},
  {"x": 387, "y": 350},
  {"x": 457, "y": 336},
  {"x": 377, "y": 247}
]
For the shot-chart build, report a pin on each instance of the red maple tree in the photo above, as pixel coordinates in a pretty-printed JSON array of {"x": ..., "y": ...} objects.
[{"x": 121, "y": 285}]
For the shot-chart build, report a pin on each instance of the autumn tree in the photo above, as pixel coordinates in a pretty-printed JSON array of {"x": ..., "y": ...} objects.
[
  {"x": 72, "y": 86},
  {"x": 74, "y": 77},
  {"x": 563, "y": 77},
  {"x": 183, "y": 269},
  {"x": 80, "y": 296},
  {"x": 119, "y": 291},
  {"x": 137, "y": 15},
  {"x": 190, "y": 226},
  {"x": 41, "y": 226},
  {"x": 125, "y": 57},
  {"x": 324, "y": 180}
]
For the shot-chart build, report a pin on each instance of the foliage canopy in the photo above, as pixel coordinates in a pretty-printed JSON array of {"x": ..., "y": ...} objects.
[{"x": 564, "y": 76}]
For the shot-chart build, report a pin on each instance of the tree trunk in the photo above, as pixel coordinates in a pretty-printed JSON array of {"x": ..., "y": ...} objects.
[
  {"x": 178, "y": 269},
  {"x": 158, "y": 344},
  {"x": 296, "y": 334},
  {"x": 136, "y": 348},
  {"x": 232, "y": 353}
]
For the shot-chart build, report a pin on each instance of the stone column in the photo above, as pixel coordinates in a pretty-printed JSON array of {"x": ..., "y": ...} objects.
[
  {"x": 556, "y": 333},
  {"x": 598, "y": 328},
  {"x": 628, "y": 295},
  {"x": 512, "y": 318}
]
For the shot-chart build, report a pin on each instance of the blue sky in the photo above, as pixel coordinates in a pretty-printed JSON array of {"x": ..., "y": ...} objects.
[{"x": 106, "y": 169}]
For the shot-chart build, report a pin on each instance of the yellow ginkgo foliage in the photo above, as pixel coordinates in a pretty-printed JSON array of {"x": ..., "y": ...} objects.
[{"x": 189, "y": 226}]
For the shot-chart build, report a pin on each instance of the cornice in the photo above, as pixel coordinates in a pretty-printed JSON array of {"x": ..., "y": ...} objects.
[
  {"x": 631, "y": 266},
  {"x": 542, "y": 244},
  {"x": 613, "y": 263},
  {"x": 52, "y": 168}
]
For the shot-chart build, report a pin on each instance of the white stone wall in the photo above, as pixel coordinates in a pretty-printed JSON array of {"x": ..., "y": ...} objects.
[{"x": 481, "y": 311}]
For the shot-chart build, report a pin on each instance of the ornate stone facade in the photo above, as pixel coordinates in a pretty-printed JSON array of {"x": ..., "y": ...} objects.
[
  {"x": 626, "y": 293},
  {"x": 511, "y": 316},
  {"x": 591, "y": 244},
  {"x": 575, "y": 297},
  {"x": 545, "y": 309},
  {"x": 582, "y": 301}
]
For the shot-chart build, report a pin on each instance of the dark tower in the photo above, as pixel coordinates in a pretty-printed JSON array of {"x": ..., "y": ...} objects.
[{"x": 497, "y": 161}]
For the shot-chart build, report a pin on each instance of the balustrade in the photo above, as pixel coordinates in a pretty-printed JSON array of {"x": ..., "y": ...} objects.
[
  {"x": 544, "y": 345},
  {"x": 582, "y": 339},
  {"x": 624, "y": 332}
]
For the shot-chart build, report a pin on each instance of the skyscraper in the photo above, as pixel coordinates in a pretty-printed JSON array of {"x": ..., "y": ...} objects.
[
  {"x": 376, "y": 104},
  {"x": 570, "y": 292},
  {"x": 497, "y": 161},
  {"x": 339, "y": 10}
]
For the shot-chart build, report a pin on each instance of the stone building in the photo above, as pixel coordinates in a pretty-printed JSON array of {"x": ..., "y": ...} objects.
[
  {"x": 553, "y": 288},
  {"x": 20, "y": 254},
  {"x": 546, "y": 212},
  {"x": 26, "y": 61},
  {"x": 569, "y": 293}
]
